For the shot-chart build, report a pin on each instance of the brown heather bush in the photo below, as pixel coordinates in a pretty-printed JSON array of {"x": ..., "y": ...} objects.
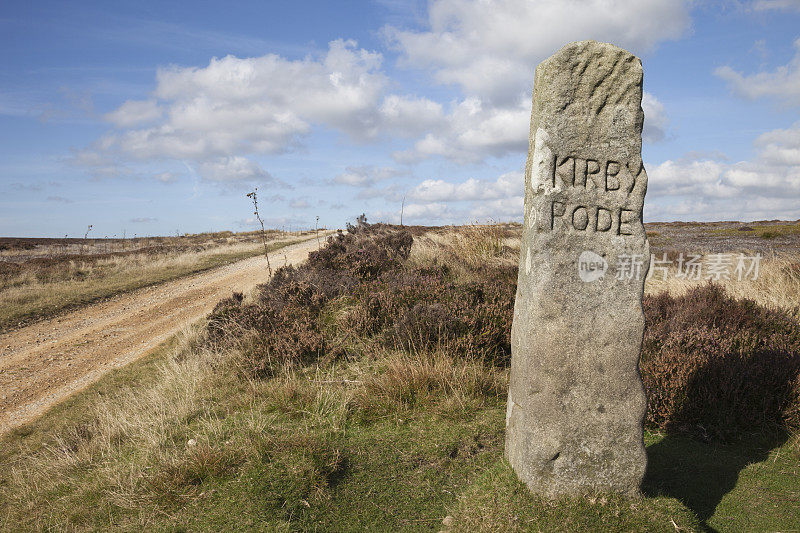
[
  {"x": 717, "y": 367},
  {"x": 399, "y": 306},
  {"x": 271, "y": 332},
  {"x": 425, "y": 309},
  {"x": 284, "y": 325}
]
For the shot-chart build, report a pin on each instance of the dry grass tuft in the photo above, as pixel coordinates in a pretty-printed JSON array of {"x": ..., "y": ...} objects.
[
  {"x": 147, "y": 424},
  {"x": 434, "y": 381},
  {"x": 319, "y": 397},
  {"x": 465, "y": 248},
  {"x": 392, "y": 383}
]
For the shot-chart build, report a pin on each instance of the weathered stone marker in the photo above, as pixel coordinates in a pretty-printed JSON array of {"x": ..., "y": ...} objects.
[{"x": 576, "y": 402}]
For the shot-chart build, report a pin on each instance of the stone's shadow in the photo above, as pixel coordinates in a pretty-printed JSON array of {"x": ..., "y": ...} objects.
[
  {"x": 700, "y": 474},
  {"x": 721, "y": 369}
]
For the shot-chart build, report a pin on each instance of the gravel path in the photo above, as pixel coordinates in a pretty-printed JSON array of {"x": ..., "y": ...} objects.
[{"x": 42, "y": 364}]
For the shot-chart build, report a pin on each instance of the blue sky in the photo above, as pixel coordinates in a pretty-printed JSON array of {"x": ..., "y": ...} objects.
[{"x": 159, "y": 117}]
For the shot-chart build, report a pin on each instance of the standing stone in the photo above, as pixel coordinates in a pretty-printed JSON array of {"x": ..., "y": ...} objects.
[{"x": 576, "y": 403}]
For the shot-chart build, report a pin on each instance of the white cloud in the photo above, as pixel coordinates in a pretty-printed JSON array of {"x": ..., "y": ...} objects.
[
  {"x": 410, "y": 116},
  {"x": 655, "y": 120},
  {"x": 700, "y": 186},
  {"x": 234, "y": 169},
  {"x": 166, "y": 177},
  {"x": 691, "y": 178},
  {"x": 391, "y": 193},
  {"x": 340, "y": 90},
  {"x": 489, "y": 48},
  {"x": 433, "y": 211},
  {"x": 781, "y": 147},
  {"x": 444, "y": 202},
  {"x": 134, "y": 113},
  {"x": 766, "y": 187},
  {"x": 100, "y": 164},
  {"x": 204, "y": 128},
  {"x": 780, "y": 5},
  {"x": 473, "y": 131},
  {"x": 365, "y": 176},
  {"x": 506, "y": 186},
  {"x": 235, "y": 107},
  {"x": 782, "y": 83},
  {"x": 299, "y": 203},
  {"x": 418, "y": 213},
  {"x": 219, "y": 114},
  {"x": 501, "y": 210},
  {"x": 239, "y": 106}
]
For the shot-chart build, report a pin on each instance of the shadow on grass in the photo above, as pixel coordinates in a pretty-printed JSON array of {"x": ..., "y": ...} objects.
[{"x": 700, "y": 474}]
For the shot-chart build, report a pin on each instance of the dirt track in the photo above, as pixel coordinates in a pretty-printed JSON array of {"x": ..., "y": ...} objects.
[{"x": 42, "y": 364}]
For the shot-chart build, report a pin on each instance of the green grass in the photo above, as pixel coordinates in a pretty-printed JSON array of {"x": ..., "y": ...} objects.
[
  {"x": 20, "y": 306},
  {"x": 751, "y": 485},
  {"x": 498, "y": 501}
]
